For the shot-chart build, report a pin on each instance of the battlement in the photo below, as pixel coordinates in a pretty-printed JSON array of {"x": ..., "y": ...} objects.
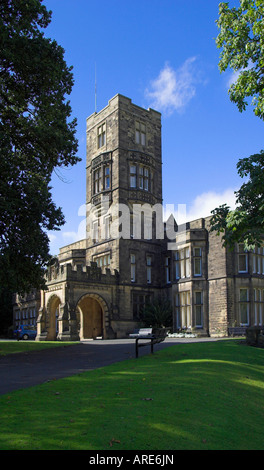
[{"x": 66, "y": 272}]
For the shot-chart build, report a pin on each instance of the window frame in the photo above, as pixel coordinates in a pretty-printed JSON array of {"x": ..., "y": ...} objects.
[
  {"x": 140, "y": 133},
  {"x": 95, "y": 230},
  {"x": 244, "y": 303},
  {"x": 107, "y": 226},
  {"x": 258, "y": 260},
  {"x": 139, "y": 177},
  {"x": 182, "y": 263},
  {"x": 132, "y": 176},
  {"x": 101, "y": 176},
  {"x": 97, "y": 180},
  {"x": 184, "y": 309},
  {"x": 258, "y": 305},
  {"x": 139, "y": 301},
  {"x": 168, "y": 270},
  {"x": 103, "y": 260},
  {"x": 107, "y": 177},
  {"x": 200, "y": 305},
  {"x": 197, "y": 258},
  {"x": 133, "y": 267},
  {"x": 242, "y": 254},
  {"x": 149, "y": 268},
  {"x": 101, "y": 135}
]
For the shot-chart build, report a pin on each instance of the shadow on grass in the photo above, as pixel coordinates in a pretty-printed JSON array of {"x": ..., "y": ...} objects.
[{"x": 187, "y": 396}]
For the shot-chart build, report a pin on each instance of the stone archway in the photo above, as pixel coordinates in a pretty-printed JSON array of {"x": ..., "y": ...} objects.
[
  {"x": 91, "y": 312},
  {"x": 53, "y": 310}
]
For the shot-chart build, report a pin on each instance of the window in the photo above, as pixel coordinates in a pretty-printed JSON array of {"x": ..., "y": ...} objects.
[
  {"x": 139, "y": 301},
  {"x": 146, "y": 179},
  {"x": 178, "y": 310},
  {"x": 106, "y": 177},
  {"x": 185, "y": 262},
  {"x": 101, "y": 136},
  {"x": 133, "y": 176},
  {"x": 140, "y": 133},
  {"x": 106, "y": 234},
  {"x": 183, "y": 309},
  {"x": 244, "y": 306},
  {"x": 95, "y": 231},
  {"x": 143, "y": 178},
  {"x": 182, "y": 263},
  {"x": 97, "y": 180},
  {"x": 140, "y": 177},
  {"x": 167, "y": 270},
  {"x": 131, "y": 226},
  {"x": 258, "y": 306},
  {"x": 258, "y": 260},
  {"x": 177, "y": 265},
  {"x": 198, "y": 308},
  {"x": 101, "y": 179},
  {"x": 103, "y": 261},
  {"x": 133, "y": 267},
  {"x": 149, "y": 263},
  {"x": 197, "y": 262},
  {"x": 242, "y": 259},
  {"x": 147, "y": 227}
]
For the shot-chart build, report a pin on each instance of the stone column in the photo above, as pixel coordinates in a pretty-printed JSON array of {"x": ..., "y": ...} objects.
[
  {"x": 41, "y": 325},
  {"x": 67, "y": 324}
]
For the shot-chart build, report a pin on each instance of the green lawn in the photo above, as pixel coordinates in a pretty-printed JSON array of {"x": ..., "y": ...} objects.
[
  {"x": 188, "y": 396},
  {"x": 11, "y": 347}
]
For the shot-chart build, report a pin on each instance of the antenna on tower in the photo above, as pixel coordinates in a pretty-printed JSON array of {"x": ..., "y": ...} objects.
[{"x": 95, "y": 91}]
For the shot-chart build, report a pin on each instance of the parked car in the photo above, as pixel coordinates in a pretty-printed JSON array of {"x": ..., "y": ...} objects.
[{"x": 25, "y": 332}]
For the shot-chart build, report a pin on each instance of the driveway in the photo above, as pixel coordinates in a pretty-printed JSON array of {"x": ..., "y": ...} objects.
[{"x": 28, "y": 369}]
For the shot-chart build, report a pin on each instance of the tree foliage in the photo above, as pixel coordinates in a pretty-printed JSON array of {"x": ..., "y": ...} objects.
[
  {"x": 245, "y": 224},
  {"x": 241, "y": 38},
  {"x": 157, "y": 314},
  {"x": 36, "y": 136}
]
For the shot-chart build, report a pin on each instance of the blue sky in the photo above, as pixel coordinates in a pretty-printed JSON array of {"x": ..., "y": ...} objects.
[{"x": 161, "y": 54}]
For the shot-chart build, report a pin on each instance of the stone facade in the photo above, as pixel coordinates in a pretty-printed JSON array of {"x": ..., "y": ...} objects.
[
  {"x": 26, "y": 308},
  {"x": 99, "y": 285}
]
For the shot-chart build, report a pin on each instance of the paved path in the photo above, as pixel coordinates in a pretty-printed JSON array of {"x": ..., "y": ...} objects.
[{"x": 28, "y": 369}]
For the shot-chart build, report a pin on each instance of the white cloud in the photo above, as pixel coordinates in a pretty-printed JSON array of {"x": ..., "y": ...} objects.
[
  {"x": 232, "y": 79},
  {"x": 52, "y": 237},
  {"x": 204, "y": 203},
  {"x": 173, "y": 89},
  {"x": 59, "y": 239},
  {"x": 201, "y": 206},
  {"x": 64, "y": 238}
]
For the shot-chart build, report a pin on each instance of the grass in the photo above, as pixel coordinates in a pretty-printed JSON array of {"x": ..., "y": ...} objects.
[
  {"x": 12, "y": 347},
  {"x": 193, "y": 396}
]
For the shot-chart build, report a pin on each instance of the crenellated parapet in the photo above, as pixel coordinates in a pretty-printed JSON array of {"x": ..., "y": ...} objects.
[{"x": 66, "y": 272}]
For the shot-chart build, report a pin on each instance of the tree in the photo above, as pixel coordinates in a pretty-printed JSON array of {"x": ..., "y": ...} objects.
[
  {"x": 245, "y": 224},
  {"x": 241, "y": 38},
  {"x": 157, "y": 314},
  {"x": 36, "y": 137}
]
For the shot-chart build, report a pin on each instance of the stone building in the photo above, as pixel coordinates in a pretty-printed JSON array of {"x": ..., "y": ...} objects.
[
  {"x": 26, "y": 308},
  {"x": 99, "y": 285},
  {"x": 213, "y": 288}
]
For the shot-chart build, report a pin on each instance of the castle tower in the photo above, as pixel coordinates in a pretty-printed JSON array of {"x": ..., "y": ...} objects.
[
  {"x": 124, "y": 184},
  {"x": 123, "y": 170}
]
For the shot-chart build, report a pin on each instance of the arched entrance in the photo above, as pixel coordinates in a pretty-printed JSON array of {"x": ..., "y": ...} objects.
[
  {"x": 90, "y": 310},
  {"x": 53, "y": 310}
]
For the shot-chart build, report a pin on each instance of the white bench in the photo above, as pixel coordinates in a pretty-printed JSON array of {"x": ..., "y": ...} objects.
[
  {"x": 149, "y": 336},
  {"x": 141, "y": 332}
]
